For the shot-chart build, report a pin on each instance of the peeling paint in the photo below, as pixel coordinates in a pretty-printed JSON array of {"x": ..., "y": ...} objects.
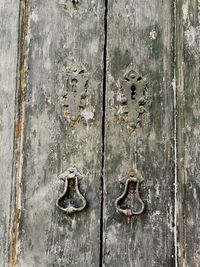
[
  {"x": 153, "y": 34},
  {"x": 185, "y": 11},
  {"x": 190, "y": 35},
  {"x": 87, "y": 114}
]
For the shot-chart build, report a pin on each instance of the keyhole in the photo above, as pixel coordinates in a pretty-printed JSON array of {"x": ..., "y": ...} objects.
[
  {"x": 74, "y": 85},
  {"x": 133, "y": 92},
  {"x": 74, "y": 2}
]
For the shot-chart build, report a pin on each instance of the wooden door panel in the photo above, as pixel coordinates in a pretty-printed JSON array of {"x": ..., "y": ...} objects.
[
  {"x": 188, "y": 103},
  {"x": 9, "y": 13},
  {"x": 65, "y": 69},
  {"x": 139, "y": 48},
  {"x": 62, "y": 129}
]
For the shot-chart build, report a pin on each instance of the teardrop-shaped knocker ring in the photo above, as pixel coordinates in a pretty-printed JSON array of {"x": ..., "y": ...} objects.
[
  {"x": 73, "y": 175},
  {"x": 134, "y": 196}
]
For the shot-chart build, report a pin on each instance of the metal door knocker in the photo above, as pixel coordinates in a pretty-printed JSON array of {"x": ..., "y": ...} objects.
[
  {"x": 130, "y": 203},
  {"x": 71, "y": 200}
]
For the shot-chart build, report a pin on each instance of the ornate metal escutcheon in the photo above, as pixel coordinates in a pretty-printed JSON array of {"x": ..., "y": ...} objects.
[
  {"x": 75, "y": 82},
  {"x": 71, "y": 200},
  {"x": 133, "y": 100},
  {"x": 130, "y": 203},
  {"x": 74, "y": 7}
]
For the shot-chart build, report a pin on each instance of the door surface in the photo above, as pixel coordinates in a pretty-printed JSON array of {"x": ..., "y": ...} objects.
[{"x": 99, "y": 133}]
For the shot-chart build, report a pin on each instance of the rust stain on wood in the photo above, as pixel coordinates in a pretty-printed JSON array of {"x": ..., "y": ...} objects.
[{"x": 19, "y": 124}]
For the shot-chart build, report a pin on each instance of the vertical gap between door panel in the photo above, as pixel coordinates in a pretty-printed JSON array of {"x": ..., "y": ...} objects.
[
  {"x": 18, "y": 130},
  {"x": 103, "y": 134}
]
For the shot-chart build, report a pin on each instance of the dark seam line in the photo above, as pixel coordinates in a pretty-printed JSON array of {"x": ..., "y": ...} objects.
[{"x": 103, "y": 134}]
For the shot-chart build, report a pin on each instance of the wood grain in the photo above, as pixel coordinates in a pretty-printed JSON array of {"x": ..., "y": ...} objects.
[
  {"x": 188, "y": 137},
  {"x": 65, "y": 69},
  {"x": 140, "y": 38},
  {"x": 63, "y": 37},
  {"x": 9, "y": 13}
]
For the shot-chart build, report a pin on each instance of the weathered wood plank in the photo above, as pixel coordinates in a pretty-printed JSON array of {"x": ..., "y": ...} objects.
[
  {"x": 9, "y": 13},
  {"x": 62, "y": 128},
  {"x": 188, "y": 132},
  {"x": 140, "y": 38}
]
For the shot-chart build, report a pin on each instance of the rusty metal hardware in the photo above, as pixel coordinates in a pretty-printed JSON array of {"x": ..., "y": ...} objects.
[
  {"x": 74, "y": 79},
  {"x": 130, "y": 203},
  {"x": 74, "y": 201},
  {"x": 133, "y": 100}
]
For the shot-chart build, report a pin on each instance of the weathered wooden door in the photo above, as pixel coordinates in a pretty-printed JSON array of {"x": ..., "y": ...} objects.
[{"x": 99, "y": 133}]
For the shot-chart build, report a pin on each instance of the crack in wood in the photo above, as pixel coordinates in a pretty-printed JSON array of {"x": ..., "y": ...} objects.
[{"x": 103, "y": 135}]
